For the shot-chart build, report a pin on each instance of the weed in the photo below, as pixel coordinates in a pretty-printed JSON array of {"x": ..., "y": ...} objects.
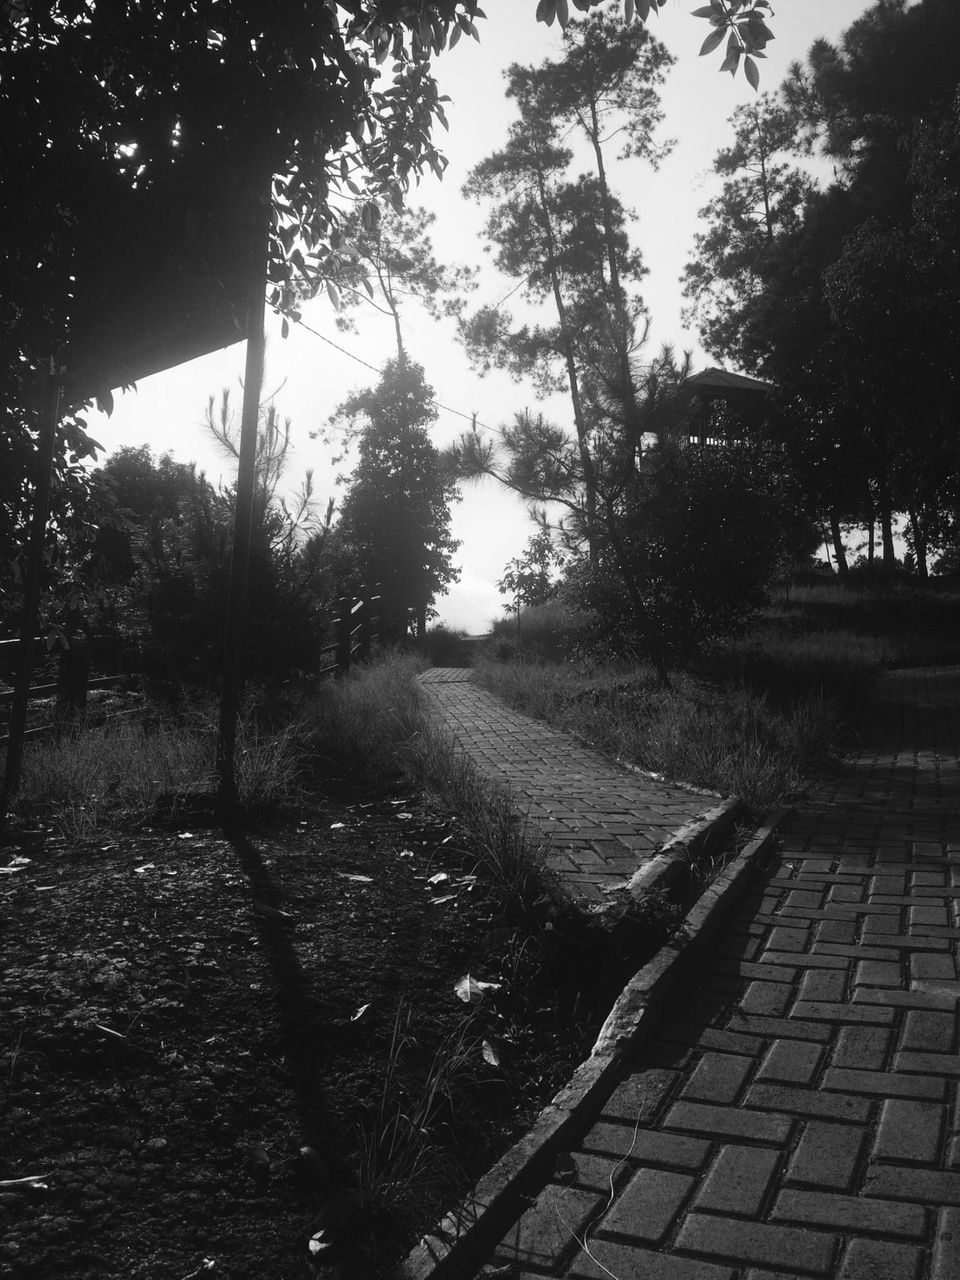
[
  {"x": 730, "y": 739},
  {"x": 508, "y": 848},
  {"x": 360, "y": 726},
  {"x": 395, "y": 1137},
  {"x": 95, "y": 779}
]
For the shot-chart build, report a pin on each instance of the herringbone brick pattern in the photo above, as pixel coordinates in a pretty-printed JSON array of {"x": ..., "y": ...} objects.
[
  {"x": 798, "y": 1115},
  {"x": 602, "y": 821}
]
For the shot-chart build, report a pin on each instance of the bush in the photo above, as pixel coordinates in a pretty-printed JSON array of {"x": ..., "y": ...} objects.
[
  {"x": 693, "y": 552},
  {"x": 444, "y": 647},
  {"x": 547, "y": 632}
]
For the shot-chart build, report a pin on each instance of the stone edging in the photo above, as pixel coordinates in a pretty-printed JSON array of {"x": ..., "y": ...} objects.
[
  {"x": 685, "y": 846},
  {"x": 459, "y": 1244}
]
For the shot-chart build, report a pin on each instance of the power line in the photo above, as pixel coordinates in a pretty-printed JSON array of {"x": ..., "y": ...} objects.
[{"x": 468, "y": 417}]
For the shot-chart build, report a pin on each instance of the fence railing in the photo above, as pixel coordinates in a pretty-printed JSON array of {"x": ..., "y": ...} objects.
[
  {"x": 70, "y": 688},
  {"x": 356, "y": 625}
]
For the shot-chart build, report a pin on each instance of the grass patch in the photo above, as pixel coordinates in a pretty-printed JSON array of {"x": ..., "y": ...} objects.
[
  {"x": 367, "y": 732},
  {"x": 96, "y": 780},
  {"x": 724, "y": 737},
  {"x": 752, "y": 716}
]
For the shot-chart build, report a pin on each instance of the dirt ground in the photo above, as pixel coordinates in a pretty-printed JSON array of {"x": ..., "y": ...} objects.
[{"x": 195, "y": 1044}]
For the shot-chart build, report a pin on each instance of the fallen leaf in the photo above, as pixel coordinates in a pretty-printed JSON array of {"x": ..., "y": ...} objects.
[
  {"x": 447, "y": 897},
  {"x": 337, "y": 826},
  {"x": 470, "y": 990},
  {"x": 8, "y": 871},
  {"x": 438, "y": 878},
  {"x": 344, "y": 875},
  {"x": 403, "y": 817},
  {"x": 108, "y": 1031},
  {"x": 490, "y": 1054},
  {"x": 318, "y": 1244},
  {"x": 405, "y": 853},
  {"x": 360, "y": 1012},
  {"x": 146, "y": 867},
  {"x": 270, "y": 913}
]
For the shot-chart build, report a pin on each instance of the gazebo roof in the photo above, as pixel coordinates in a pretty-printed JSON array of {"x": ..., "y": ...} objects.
[{"x": 722, "y": 380}]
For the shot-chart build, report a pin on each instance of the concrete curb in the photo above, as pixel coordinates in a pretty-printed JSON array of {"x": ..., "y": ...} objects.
[
  {"x": 683, "y": 848},
  {"x": 459, "y": 1244}
]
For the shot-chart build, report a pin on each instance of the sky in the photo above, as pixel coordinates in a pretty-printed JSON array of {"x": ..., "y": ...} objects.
[{"x": 310, "y": 377}]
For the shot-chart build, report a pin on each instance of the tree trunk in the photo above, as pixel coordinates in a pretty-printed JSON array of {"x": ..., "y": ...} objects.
[
  {"x": 586, "y": 459},
  {"x": 918, "y": 536},
  {"x": 243, "y": 523},
  {"x": 885, "y": 506},
  {"x": 622, "y": 321},
  {"x": 838, "y": 548}
]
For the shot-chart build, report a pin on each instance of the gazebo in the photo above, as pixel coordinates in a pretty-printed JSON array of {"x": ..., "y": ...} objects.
[{"x": 743, "y": 395}]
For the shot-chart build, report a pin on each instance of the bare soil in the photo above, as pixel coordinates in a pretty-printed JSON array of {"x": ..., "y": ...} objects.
[{"x": 197, "y": 1025}]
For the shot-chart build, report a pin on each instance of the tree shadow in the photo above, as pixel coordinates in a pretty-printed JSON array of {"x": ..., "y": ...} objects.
[{"x": 304, "y": 1031}]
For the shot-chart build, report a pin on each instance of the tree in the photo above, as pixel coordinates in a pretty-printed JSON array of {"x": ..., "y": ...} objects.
[
  {"x": 394, "y": 526},
  {"x": 169, "y": 568},
  {"x": 703, "y": 532},
  {"x": 760, "y": 202},
  {"x": 606, "y": 85},
  {"x": 564, "y": 240},
  {"x": 529, "y": 578},
  {"x": 277, "y": 522},
  {"x": 379, "y": 257},
  {"x": 102, "y": 96},
  {"x": 834, "y": 308}
]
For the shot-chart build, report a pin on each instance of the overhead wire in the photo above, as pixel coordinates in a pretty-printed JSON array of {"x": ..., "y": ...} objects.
[{"x": 468, "y": 417}]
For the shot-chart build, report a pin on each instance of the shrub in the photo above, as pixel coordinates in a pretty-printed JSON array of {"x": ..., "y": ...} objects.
[
  {"x": 445, "y": 647},
  {"x": 546, "y": 632},
  {"x": 692, "y": 553}
]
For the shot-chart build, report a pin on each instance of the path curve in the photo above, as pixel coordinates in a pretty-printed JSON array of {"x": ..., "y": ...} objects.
[
  {"x": 603, "y": 822},
  {"x": 798, "y": 1115}
]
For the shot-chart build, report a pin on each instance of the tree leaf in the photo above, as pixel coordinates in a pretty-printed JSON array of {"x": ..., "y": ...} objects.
[
  {"x": 712, "y": 41},
  {"x": 490, "y": 1054},
  {"x": 752, "y": 72}
]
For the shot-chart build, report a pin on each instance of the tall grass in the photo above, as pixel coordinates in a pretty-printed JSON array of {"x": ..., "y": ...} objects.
[
  {"x": 100, "y": 778},
  {"x": 362, "y": 727},
  {"x": 90, "y": 778},
  {"x": 371, "y": 730},
  {"x": 396, "y": 1135},
  {"x": 731, "y": 738}
]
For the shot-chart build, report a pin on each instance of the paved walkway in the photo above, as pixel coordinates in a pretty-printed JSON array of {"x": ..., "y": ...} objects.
[
  {"x": 799, "y": 1115},
  {"x": 603, "y": 822}
]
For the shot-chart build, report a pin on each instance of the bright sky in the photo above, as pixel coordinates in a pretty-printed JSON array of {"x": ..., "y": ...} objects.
[{"x": 166, "y": 411}]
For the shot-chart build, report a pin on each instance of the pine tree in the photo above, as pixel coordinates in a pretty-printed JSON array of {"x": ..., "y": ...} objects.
[{"x": 394, "y": 526}]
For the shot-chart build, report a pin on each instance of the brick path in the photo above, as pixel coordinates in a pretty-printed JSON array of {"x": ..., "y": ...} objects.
[
  {"x": 799, "y": 1115},
  {"x": 602, "y": 821}
]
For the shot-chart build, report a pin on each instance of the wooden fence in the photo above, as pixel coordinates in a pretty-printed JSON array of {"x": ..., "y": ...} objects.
[
  {"x": 355, "y": 620},
  {"x": 70, "y": 687},
  {"x": 356, "y": 625}
]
